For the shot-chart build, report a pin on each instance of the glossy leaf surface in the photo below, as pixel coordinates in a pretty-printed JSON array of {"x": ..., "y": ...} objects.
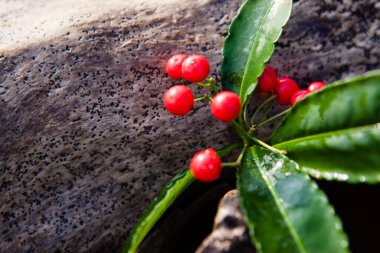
[
  {"x": 250, "y": 43},
  {"x": 345, "y": 104},
  {"x": 165, "y": 199},
  {"x": 157, "y": 208},
  {"x": 347, "y": 155},
  {"x": 284, "y": 209}
]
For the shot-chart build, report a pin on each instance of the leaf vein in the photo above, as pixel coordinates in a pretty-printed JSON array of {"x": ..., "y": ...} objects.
[
  {"x": 254, "y": 46},
  {"x": 276, "y": 198}
]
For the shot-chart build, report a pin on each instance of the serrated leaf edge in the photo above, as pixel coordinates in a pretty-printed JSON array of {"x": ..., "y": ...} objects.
[
  {"x": 250, "y": 56},
  {"x": 271, "y": 45},
  {"x": 335, "y": 85},
  {"x": 234, "y": 20},
  {"x": 283, "y": 212},
  {"x": 337, "y": 221},
  {"x": 334, "y": 176}
]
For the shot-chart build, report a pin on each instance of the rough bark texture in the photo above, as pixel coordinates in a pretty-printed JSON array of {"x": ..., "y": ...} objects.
[
  {"x": 230, "y": 234},
  {"x": 85, "y": 142}
]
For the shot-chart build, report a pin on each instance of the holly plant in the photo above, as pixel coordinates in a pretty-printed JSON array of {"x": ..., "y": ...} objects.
[{"x": 329, "y": 132}]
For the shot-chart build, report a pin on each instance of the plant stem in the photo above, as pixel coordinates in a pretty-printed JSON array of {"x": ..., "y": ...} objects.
[
  {"x": 261, "y": 143},
  {"x": 254, "y": 127},
  {"x": 246, "y": 123},
  {"x": 242, "y": 133},
  {"x": 274, "y": 117},
  {"x": 200, "y": 99},
  {"x": 265, "y": 113},
  {"x": 207, "y": 96},
  {"x": 210, "y": 84},
  {"x": 252, "y": 130},
  {"x": 233, "y": 164},
  {"x": 271, "y": 98},
  {"x": 205, "y": 85},
  {"x": 238, "y": 161},
  {"x": 211, "y": 81}
]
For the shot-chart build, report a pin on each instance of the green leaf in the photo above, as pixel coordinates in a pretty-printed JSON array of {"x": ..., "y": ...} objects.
[
  {"x": 284, "y": 210},
  {"x": 345, "y": 104},
  {"x": 157, "y": 208},
  {"x": 164, "y": 200},
  {"x": 250, "y": 43},
  {"x": 346, "y": 155},
  {"x": 334, "y": 133}
]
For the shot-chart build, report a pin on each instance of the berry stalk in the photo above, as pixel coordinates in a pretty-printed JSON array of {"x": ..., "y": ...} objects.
[
  {"x": 208, "y": 97},
  {"x": 271, "y": 98},
  {"x": 265, "y": 113},
  {"x": 210, "y": 83},
  {"x": 238, "y": 161},
  {"x": 263, "y": 144},
  {"x": 274, "y": 117},
  {"x": 242, "y": 133}
]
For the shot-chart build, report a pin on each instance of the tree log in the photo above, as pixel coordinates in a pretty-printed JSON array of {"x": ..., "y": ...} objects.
[
  {"x": 229, "y": 233},
  {"x": 85, "y": 141}
]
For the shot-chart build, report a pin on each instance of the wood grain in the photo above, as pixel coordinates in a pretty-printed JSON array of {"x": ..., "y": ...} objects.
[{"x": 85, "y": 141}]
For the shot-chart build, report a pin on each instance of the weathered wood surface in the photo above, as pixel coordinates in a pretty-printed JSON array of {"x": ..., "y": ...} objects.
[
  {"x": 85, "y": 142},
  {"x": 229, "y": 234}
]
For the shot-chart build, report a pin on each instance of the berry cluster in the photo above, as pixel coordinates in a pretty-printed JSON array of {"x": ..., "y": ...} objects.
[
  {"x": 206, "y": 165},
  {"x": 286, "y": 89},
  {"x": 179, "y": 100}
]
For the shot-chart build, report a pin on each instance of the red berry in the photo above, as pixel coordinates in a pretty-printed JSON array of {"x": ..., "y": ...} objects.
[
  {"x": 298, "y": 95},
  {"x": 178, "y": 100},
  {"x": 285, "y": 89},
  {"x": 316, "y": 86},
  {"x": 174, "y": 66},
  {"x": 206, "y": 165},
  {"x": 225, "y": 106},
  {"x": 268, "y": 80},
  {"x": 195, "y": 68}
]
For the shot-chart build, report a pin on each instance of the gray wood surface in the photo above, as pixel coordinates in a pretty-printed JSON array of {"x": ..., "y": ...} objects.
[{"x": 85, "y": 141}]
